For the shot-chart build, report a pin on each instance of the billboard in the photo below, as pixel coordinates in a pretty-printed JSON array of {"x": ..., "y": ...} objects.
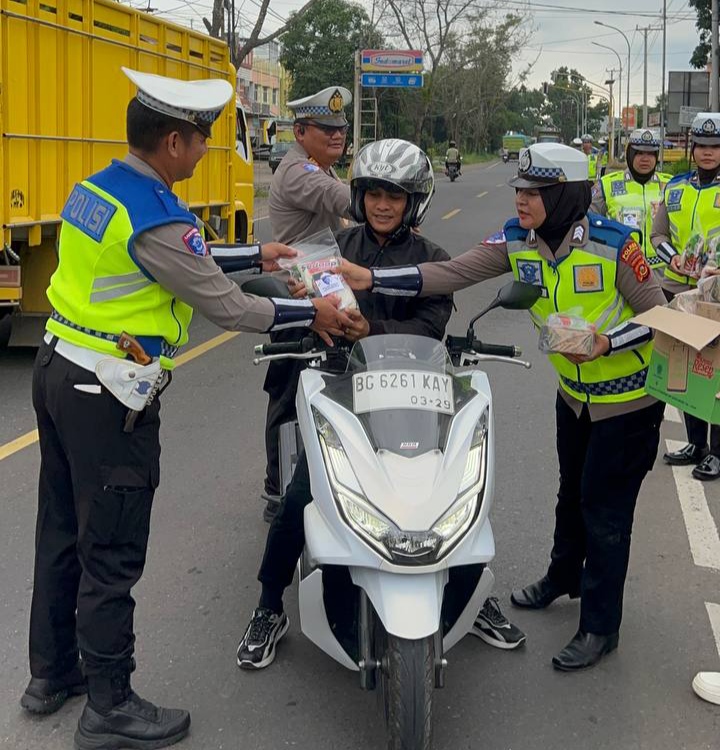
[
  {"x": 629, "y": 118},
  {"x": 391, "y": 60},
  {"x": 686, "y": 88}
]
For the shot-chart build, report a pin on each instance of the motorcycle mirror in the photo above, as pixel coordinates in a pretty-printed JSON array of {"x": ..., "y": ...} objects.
[
  {"x": 515, "y": 295},
  {"x": 518, "y": 296},
  {"x": 266, "y": 286}
]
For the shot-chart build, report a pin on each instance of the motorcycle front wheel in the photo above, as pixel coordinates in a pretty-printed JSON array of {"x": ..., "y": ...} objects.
[{"x": 407, "y": 682}]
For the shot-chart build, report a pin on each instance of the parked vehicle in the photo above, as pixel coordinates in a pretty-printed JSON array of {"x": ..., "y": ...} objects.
[
  {"x": 277, "y": 151},
  {"x": 512, "y": 143},
  {"x": 63, "y": 99},
  {"x": 399, "y": 438}
]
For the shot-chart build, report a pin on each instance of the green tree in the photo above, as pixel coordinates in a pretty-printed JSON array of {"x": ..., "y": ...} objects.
[
  {"x": 565, "y": 95},
  {"x": 319, "y": 48},
  {"x": 701, "y": 53}
]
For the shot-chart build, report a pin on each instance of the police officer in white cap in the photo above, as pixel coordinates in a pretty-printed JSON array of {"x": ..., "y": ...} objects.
[
  {"x": 688, "y": 214},
  {"x": 607, "y": 427},
  {"x": 632, "y": 196},
  {"x": 133, "y": 264},
  {"x": 586, "y": 144},
  {"x": 305, "y": 197}
]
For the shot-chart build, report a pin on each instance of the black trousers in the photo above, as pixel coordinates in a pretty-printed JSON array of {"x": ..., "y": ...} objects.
[
  {"x": 286, "y": 536},
  {"x": 697, "y": 432},
  {"x": 94, "y": 501},
  {"x": 602, "y": 465},
  {"x": 280, "y": 409}
]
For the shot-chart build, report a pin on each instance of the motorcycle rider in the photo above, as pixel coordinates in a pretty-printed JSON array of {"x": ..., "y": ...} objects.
[
  {"x": 388, "y": 208},
  {"x": 632, "y": 197},
  {"x": 452, "y": 156},
  {"x": 608, "y": 428}
]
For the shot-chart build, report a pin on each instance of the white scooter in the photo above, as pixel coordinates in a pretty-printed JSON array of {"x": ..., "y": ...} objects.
[{"x": 400, "y": 448}]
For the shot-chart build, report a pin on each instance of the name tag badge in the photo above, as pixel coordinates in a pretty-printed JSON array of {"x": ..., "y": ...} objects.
[
  {"x": 716, "y": 204},
  {"x": 588, "y": 278}
]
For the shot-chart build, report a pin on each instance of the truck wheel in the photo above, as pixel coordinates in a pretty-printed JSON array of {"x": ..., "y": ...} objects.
[
  {"x": 408, "y": 680},
  {"x": 5, "y": 329}
]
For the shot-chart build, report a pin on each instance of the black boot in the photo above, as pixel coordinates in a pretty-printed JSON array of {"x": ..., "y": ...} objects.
[
  {"x": 117, "y": 717},
  {"x": 45, "y": 696},
  {"x": 540, "y": 594},
  {"x": 584, "y": 651},
  {"x": 687, "y": 455}
]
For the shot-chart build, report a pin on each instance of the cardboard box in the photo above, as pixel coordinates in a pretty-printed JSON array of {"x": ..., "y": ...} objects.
[
  {"x": 9, "y": 275},
  {"x": 684, "y": 368}
]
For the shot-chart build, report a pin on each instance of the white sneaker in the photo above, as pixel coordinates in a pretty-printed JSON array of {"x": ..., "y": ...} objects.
[{"x": 707, "y": 686}]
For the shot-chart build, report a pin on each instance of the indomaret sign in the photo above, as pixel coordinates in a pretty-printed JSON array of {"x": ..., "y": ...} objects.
[{"x": 391, "y": 60}]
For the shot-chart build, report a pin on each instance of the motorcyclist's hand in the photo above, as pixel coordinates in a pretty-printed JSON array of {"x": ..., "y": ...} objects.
[
  {"x": 297, "y": 289},
  {"x": 328, "y": 319},
  {"x": 357, "y": 277},
  {"x": 360, "y": 327},
  {"x": 601, "y": 346},
  {"x": 271, "y": 251}
]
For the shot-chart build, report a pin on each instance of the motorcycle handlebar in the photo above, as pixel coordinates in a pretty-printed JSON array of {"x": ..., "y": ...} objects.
[
  {"x": 286, "y": 347},
  {"x": 459, "y": 344}
]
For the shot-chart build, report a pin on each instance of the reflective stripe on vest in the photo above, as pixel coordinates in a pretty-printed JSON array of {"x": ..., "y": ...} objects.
[
  {"x": 98, "y": 290},
  {"x": 585, "y": 281},
  {"x": 635, "y": 206},
  {"x": 691, "y": 211}
]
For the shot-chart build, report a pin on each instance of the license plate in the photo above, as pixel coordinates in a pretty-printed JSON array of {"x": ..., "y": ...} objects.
[{"x": 402, "y": 389}]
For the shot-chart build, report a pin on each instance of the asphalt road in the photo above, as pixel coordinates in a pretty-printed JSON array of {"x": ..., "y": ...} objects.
[{"x": 199, "y": 587}]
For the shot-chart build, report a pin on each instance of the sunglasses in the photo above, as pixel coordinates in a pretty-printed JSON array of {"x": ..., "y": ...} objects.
[{"x": 330, "y": 130}]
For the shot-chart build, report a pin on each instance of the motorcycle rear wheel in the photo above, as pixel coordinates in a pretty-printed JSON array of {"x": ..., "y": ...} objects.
[{"x": 408, "y": 681}]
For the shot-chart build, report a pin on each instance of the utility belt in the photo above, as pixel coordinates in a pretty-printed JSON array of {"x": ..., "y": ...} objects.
[{"x": 133, "y": 384}]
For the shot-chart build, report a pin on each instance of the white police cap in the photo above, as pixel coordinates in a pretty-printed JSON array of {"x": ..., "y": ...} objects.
[
  {"x": 586, "y": 138},
  {"x": 644, "y": 139},
  {"x": 545, "y": 164},
  {"x": 705, "y": 128},
  {"x": 576, "y": 141},
  {"x": 197, "y": 102},
  {"x": 325, "y": 107}
]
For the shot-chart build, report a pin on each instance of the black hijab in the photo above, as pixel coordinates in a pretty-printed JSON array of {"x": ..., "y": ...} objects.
[
  {"x": 565, "y": 204},
  {"x": 705, "y": 176},
  {"x": 639, "y": 178}
]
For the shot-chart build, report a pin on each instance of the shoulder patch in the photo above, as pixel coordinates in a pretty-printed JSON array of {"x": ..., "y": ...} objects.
[
  {"x": 88, "y": 212},
  {"x": 194, "y": 242},
  {"x": 495, "y": 239},
  {"x": 632, "y": 255},
  {"x": 311, "y": 167}
]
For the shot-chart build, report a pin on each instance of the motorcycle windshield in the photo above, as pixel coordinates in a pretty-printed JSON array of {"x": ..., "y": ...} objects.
[{"x": 403, "y": 390}]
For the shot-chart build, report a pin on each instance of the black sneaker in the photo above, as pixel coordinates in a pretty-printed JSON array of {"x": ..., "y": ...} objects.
[
  {"x": 256, "y": 650},
  {"x": 134, "y": 723},
  {"x": 43, "y": 696},
  {"x": 494, "y": 628}
]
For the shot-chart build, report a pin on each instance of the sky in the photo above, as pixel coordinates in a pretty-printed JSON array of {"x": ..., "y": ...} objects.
[{"x": 563, "y": 33}]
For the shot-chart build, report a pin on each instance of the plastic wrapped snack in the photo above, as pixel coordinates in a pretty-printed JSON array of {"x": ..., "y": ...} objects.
[
  {"x": 686, "y": 301},
  {"x": 709, "y": 287},
  {"x": 317, "y": 256},
  {"x": 566, "y": 333},
  {"x": 694, "y": 256}
]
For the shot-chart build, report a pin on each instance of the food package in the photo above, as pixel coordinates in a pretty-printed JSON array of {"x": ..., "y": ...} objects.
[
  {"x": 709, "y": 288},
  {"x": 317, "y": 256},
  {"x": 567, "y": 333},
  {"x": 686, "y": 301},
  {"x": 694, "y": 256}
]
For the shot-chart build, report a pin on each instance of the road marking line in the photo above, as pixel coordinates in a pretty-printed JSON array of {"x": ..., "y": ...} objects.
[
  {"x": 502, "y": 184},
  {"x": 699, "y": 523},
  {"x": 480, "y": 195},
  {"x": 452, "y": 213},
  {"x": 672, "y": 414},
  {"x": 29, "y": 438},
  {"x": 260, "y": 218},
  {"x": 18, "y": 444},
  {"x": 713, "y": 611},
  {"x": 493, "y": 165}
]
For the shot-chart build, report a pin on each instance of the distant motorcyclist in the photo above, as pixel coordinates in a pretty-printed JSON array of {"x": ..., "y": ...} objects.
[{"x": 452, "y": 156}]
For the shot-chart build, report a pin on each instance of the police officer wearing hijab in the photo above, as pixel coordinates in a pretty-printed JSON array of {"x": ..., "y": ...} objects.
[
  {"x": 633, "y": 196},
  {"x": 607, "y": 427},
  {"x": 689, "y": 209},
  {"x": 133, "y": 264}
]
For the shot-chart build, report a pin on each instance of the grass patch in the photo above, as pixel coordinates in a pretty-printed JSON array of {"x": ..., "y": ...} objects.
[{"x": 262, "y": 191}]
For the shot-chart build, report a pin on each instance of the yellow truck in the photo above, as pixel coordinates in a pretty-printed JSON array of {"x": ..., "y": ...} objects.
[{"x": 62, "y": 117}]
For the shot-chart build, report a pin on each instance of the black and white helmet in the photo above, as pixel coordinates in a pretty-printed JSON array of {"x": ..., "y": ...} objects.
[{"x": 393, "y": 164}]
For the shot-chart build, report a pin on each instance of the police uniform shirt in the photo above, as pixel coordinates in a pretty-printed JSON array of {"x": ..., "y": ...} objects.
[
  {"x": 194, "y": 277},
  {"x": 304, "y": 198},
  {"x": 490, "y": 259},
  {"x": 661, "y": 233}
]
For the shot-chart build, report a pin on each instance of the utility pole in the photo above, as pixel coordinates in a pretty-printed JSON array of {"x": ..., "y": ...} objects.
[
  {"x": 610, "y": 83},
  {"x": 714, "y": 73},
  {"x": 662, "y": 102},
  {"x": 645, "y": 107},
  {"x": 356, "y": 106}
]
